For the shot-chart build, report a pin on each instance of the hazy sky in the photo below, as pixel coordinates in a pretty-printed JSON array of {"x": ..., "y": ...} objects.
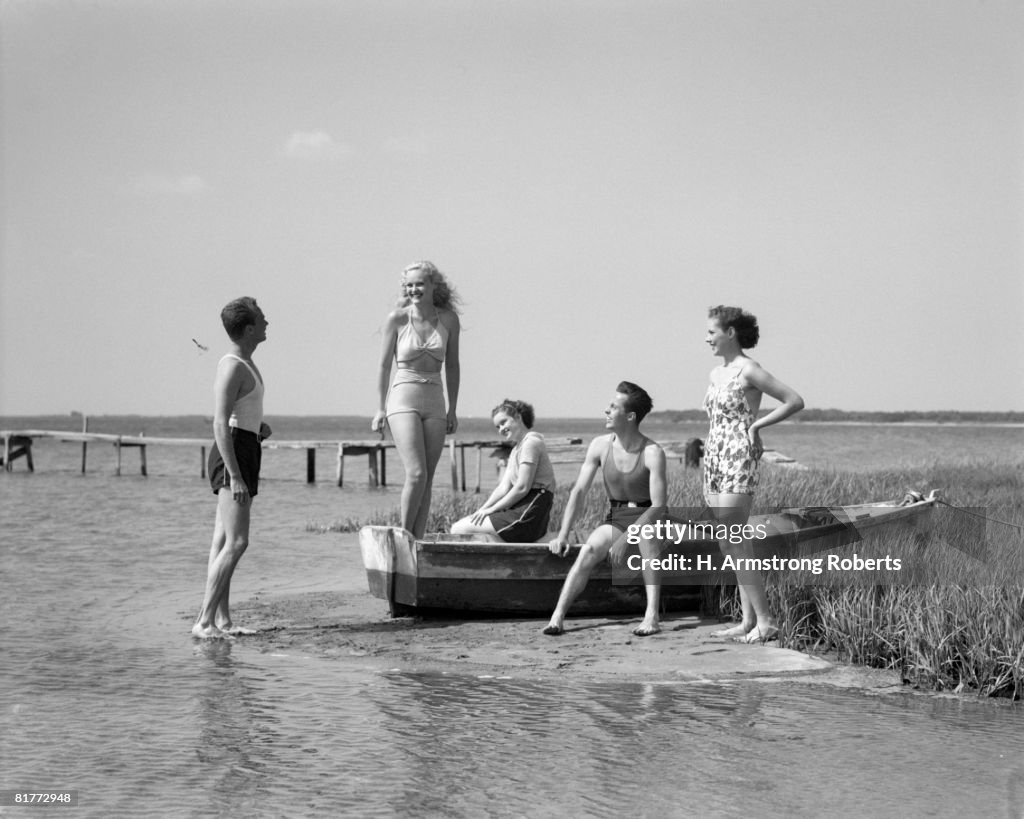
[{"x": 591, "y": 175}]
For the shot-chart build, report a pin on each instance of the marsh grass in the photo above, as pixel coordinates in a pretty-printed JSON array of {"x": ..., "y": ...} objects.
[{"x": 952, "y": 617}]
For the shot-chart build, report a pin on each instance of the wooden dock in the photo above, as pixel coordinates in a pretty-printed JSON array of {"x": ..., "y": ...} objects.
[{"x": 17, "y": 444}]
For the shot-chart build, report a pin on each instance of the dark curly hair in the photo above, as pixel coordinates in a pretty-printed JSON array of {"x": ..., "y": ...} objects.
[
  {"x": 744, "y": 323},
  {"x": 637, "y": 399},
  {"x": 519, "y": 409}
]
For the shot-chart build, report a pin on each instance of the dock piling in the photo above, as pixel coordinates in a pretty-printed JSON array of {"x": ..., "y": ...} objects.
[
  {"x": 85, "y": 444},
  {"x": 122, "y": 442},
  {"x": 479, "y": 466},
  {"x": 17, "y": 446}
]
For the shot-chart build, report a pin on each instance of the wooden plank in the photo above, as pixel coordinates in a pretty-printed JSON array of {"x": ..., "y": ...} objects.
[{"x": 372, "y": 466}]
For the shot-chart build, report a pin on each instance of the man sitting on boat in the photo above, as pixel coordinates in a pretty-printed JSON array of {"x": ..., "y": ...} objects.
[
  {"x": 519, "y": 508},
  {"x": 633, "y": 469}
]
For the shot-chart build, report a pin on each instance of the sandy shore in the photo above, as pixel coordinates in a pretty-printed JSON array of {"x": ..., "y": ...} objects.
[{"x": 350, "y": 625}]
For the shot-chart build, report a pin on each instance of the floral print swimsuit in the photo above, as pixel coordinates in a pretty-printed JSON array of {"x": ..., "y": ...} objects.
[{"x": 729, "y": 463}]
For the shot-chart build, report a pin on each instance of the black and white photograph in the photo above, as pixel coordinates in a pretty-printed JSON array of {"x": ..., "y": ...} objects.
[{"x": 506, "y": 408}]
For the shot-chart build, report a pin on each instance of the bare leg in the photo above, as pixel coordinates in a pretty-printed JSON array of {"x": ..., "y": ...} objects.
[
  {"x": 758, "y": 622},
  {"x": 593, "y": 552},
  {"x": 465, "y": 526},
  {"x": 230, "y": 540},
  {"x": 650, "y": 624},
  {"x": 219, "y": 538},
  {"x": 407, "y": 431},
  {"x": 434, "y": 430}
]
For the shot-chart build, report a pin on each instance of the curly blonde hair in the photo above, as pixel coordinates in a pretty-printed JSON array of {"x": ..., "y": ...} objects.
[{"x": 445, "y": 295}]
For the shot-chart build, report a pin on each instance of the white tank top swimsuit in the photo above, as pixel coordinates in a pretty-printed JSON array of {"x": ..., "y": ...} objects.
[{"x": 248, "y": 411}]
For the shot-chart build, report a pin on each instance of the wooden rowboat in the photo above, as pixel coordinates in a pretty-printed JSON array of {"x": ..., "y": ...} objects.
[{"x": 446, "y": 574}]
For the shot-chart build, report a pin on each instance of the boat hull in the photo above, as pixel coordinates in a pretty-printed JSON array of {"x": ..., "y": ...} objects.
[{"x": 463, "y": 576}]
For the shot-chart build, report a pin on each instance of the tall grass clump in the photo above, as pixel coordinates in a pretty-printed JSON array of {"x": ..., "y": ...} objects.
[{"x": 951, "y": 619}]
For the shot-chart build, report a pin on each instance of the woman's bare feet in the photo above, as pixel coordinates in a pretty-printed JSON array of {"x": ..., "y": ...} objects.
[
  {"x": 735, "y": 631},
  {"x": 761, "y": 634}
]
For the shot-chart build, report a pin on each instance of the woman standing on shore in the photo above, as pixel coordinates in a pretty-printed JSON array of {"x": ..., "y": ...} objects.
[
  {"x": 519, "y": 508},
  {"x": 422, "y": 338},
  {"x": 733, "y": 449}
]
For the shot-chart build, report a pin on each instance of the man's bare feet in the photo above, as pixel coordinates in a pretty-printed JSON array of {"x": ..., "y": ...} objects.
[
  {"x": 210, "y": 632},
  {"x": 646, "y": 629},
  {"x": 553, "y": 630}
]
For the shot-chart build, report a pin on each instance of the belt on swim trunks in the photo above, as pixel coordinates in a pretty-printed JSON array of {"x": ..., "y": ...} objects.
[{"x": 617, "y": 504}]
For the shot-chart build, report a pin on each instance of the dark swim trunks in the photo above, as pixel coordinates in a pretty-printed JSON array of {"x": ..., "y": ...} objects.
[
  {"x": 622, "y": 516},
  {"x": 248, "y": 453}
]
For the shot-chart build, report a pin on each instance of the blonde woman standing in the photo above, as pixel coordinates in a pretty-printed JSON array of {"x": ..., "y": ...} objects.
[{"x": 421, "y": 339}]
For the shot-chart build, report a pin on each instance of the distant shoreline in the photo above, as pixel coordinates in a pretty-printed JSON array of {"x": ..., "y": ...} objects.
[
  {"x": 1015, "y": 421},
  {"x": 875, "y": 418}
]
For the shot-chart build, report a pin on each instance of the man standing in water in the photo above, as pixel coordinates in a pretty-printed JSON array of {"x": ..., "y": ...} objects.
[
  {"x": 633, "y": 469},
  {"x": 234, "y": 467}
]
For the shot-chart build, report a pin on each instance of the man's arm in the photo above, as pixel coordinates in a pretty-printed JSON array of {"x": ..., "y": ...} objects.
[
  {"x": 591, "y": 464},
  {"x": 226, "y": 388}
]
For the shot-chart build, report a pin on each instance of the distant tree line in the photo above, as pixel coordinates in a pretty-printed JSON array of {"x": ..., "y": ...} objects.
[{"x": 835, "y": 415}]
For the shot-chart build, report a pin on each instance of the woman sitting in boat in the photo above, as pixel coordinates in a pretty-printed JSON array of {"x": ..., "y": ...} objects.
[
  {"x": 421, "y": 338},
  {"x": 519, "y": 508}
]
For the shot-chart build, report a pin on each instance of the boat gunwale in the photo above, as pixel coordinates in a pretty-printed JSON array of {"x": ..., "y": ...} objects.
[{"x": 437, "y": 542}]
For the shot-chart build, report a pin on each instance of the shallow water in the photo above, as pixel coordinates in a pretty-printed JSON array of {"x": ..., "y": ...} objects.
[{"x": 103, "y": 691}]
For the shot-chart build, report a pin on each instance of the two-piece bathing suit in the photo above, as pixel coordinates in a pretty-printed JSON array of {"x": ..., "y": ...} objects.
[
  {"x": 245, "y": 422},
  {"x": 527, "y": 521},
  {"x": 415, "y": 390},
  {"x": 629, "y": 492},
  {"x": 730, "y": 464}
]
